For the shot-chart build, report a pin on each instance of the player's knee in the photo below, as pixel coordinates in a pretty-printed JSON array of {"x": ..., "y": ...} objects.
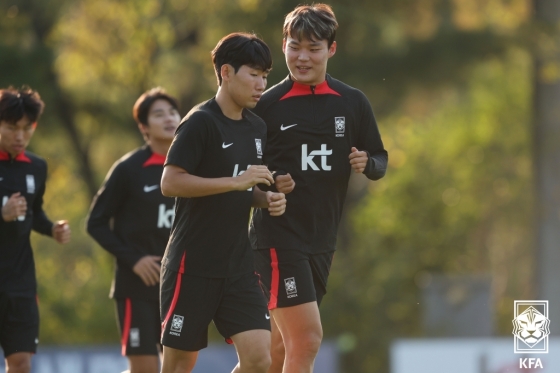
[
  {"x": 307, "y": 344},
  {"x": 278, "y": 350},
  {"x": 22, "y": 365},
  {"x": 259, "y": 363}
]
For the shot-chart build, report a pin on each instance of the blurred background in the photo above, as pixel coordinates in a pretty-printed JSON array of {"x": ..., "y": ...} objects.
[{"x": 467, "y": 97}]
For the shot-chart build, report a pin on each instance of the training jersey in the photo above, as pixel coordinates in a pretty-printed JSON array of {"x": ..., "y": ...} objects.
[
  {"x": 26, "y": 174},
  {"x": 311, "y": 131},
  {"x": 130, "y": 218},
  {"x": 211, "y": 231}
]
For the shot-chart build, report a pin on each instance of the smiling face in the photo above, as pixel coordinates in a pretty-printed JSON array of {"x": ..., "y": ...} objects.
[
  {"x": 246, "y": 86},
  {"x": 307, "y": 59},
  {"x": 163, "y": 120},
  {"x": 14, "y": 137}
]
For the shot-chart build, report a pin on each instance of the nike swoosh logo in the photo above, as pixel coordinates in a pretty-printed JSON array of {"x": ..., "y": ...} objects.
[
  {"x": 226, "y": 146},
  {"x": 148, "y": 189},
  {"x": 267, "y": 317},
  {"x": 282, "y": 128}
]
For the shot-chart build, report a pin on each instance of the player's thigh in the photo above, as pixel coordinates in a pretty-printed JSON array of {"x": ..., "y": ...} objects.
[
  {"x": 253, "y": 346},
  {"x": 20, "y": 325},
  {"x": 300, "y": 325},
  {"x": 286, "y": 277},
  {"x": 188, "y": 305},
  {"x": 178, "y": 361},
  {"x": 242, "y": 307},
  {"x": 140, "y": 326}
]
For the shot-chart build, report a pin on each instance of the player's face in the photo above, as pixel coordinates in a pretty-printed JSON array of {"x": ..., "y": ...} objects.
[
  {"x": 14, "y": 137},
  {"x": 163, "y": 120},
  {"x": 247, "y": 86},
  {"x": 307, "y": 59}
]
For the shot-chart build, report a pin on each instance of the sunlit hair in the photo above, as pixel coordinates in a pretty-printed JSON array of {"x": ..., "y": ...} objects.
[
  {"x": 142, "y": 106},
  {"x": 17, "y": 103},
  {"x": 314, "y": 22},
  {"x": 238, "y": 49}
]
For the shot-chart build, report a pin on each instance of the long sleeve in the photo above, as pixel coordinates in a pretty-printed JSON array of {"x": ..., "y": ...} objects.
[
  {"x": 370, "y": 141},
  {"x": 105, "y": 206},
  {"x": 41, "y": 223}
]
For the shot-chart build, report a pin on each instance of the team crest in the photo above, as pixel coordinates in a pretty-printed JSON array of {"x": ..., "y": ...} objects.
[
  {"x": 290, "y": 285},
  {"x": 30, "y": 180},
  {"x": 177, "y": 323},
  {"x": 258, "y": 144},
  {"x": 531, "y": 327},
  {"x": 134, "y": 337},
  {"x": 339, "y": 126}
]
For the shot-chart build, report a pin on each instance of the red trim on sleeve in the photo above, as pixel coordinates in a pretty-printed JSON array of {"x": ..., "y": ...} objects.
[
  {"x": 273, "y": 302},
  {"x": 126, "y": 326},
  {"x": 299, "y": 89},
  {"x": 175, "y": 294},
  {"x": 155, "y": 160},
  {"x": 21, "y": 157}
]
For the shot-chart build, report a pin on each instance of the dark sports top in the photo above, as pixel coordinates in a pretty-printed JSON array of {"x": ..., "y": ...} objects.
[
  {"x": 130, "y": 218},
  {"x": 212, "y": 231},
  {"x": 26, "y": 174},
  {"x": 311, "y": 130}
]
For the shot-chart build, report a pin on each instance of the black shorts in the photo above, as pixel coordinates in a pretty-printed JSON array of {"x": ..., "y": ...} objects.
[
  {"x": 19, "y": 324},
  {"x": 190, "y": 303},
  {"x": 292, "y": 277},
  {"x": 140, "y": 326}
]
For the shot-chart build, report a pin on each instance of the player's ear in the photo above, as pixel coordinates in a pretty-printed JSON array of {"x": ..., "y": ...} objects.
[
  {"x": 284, "y": 45},
  {"x": 332, "y": 49},
  {"x": 143, "y": 129},
  {"x": 226, "y": 70}
]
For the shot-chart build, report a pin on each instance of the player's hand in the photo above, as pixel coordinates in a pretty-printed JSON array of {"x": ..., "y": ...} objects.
[
  {"x": 61, "y": 231},
  {"x": 254, "y": 175},
  {"x": 276, "y": 203},
  {"x": 358, "y": 160},
  {"x": 285, "y": 184},
  {"x": 15, "y": 207},
  {"x": 148, "y": 268}
]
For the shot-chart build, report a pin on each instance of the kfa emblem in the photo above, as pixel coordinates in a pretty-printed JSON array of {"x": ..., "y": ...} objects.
[
  {"x": 531, "y": 327},
  {"x": 291, "y": 288},
  {"x": 339, "y": 126},
  {"x": 258, "y": 144},
  {"x": 177, "y": 323}
]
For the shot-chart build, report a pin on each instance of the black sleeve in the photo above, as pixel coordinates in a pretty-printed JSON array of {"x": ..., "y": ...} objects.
[
  {"x": 369, "y": 139},
  {"x": 105, "y": 205},
  {"x": 190, "y": 143},
  {"x": 41, "y": 222}
]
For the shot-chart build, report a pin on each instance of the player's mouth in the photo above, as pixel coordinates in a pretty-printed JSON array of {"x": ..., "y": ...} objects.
[
  {"x": 303, "y": 69},
  {"x": 256, "y": 97},
  {"x": 18, "y": 148}
]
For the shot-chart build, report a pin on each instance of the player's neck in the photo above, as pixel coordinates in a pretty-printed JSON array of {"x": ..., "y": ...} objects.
[
  {"x": 159, "y": 146},
  {"x": 229, "y": 108}
]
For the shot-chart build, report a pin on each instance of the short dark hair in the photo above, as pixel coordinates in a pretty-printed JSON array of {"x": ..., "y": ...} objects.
[
  {"x": 17, "y": 103},
  {"x": 312, "y": 22},
  {"x": 238, "y": 49},
  {"x": 142, "y": 106}
]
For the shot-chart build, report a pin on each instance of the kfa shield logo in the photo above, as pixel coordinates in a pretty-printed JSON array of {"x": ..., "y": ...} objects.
[
  {"x": 339, "y": 126},
  {"x": 258, "y": 144},
  {"x": 134, "y": 337},
  {"x": 177, "y": 323},
  {"x": 531, "y": 326},
  {"x": 290, "y": 286},
  {"x": 30, "y": 180}
]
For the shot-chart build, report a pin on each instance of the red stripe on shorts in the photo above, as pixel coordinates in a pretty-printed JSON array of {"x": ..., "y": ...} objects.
[
  {"x": 273, "y": 302},
  {"x": 126, "y": 326},
  {"x": 175, "y": 294}
]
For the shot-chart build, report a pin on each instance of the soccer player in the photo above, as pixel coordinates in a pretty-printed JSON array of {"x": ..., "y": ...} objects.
[
  {"x": 22, "y": 185},
  {"x": 131, "y": 219},
  {"x": 212, "y": 168},
  {"x": 319, "y": 130}
]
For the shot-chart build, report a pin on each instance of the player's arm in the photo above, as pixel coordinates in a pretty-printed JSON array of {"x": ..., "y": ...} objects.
[
  {"x": 274, "y": 202},
  {"x": 368, "y": 156},
  {"x": 178, "y": 182}
]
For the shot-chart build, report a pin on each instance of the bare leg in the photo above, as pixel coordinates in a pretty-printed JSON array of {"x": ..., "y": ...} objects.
[
  {"x": 253, "y": 350},
  {"x": 277, "y": 350},
  {"x": 143, "y": 363},
  {"x": 178, "y": 361},
  {"x": 302, "y": 334},
  {"x": 19, "y": 362}
]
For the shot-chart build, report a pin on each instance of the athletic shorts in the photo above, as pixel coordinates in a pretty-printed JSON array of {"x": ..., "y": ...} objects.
[
  {"x": 140, "y": 326},
  {"x": 291, "y": 277},
  {"x": 19, "y": 324},
  {"x": 190, "y": 303}
]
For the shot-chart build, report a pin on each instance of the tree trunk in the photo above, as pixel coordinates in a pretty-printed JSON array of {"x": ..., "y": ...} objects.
[{"x": 547, "y": 159}]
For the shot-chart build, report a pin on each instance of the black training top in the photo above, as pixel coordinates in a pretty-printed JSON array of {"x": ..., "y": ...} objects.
[
  {"x": 212, "y": 231},
  {"x": 311, "y": 130},
  {"x": 130, "y": 218},
  {"x": 25, "y": 174}
]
